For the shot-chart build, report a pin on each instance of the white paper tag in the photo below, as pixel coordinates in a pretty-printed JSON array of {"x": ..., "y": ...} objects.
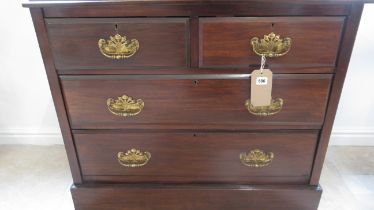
[{"x": 261, "y": 81}]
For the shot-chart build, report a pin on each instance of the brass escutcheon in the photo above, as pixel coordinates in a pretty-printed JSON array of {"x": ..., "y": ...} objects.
[
  {"x": 118, "y": 47},
  {"x": 275, "y": 107},
  {"x": 271, "y": 45},
  {"x": 125, "y": 106},
  {"x": 256, "y": 158},
  {"x": 133, "y": 158}
]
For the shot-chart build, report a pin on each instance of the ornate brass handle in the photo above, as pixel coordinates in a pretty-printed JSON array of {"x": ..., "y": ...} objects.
[
  {"x": 275, "y": 107},
  {"x": 256, "y": 158},
  {"x": 118, "y": 47},
  {"x": 125, "y": 106},
  {"x": 133, "y": 158},
  {"x": 271, "y": 45}
]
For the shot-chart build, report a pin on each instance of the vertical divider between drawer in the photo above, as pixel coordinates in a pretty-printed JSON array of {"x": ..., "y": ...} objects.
[{"x": 194, "y": 42}]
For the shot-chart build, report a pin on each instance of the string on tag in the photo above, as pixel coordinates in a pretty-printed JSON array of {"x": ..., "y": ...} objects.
[{"x": 263, "y": 62}]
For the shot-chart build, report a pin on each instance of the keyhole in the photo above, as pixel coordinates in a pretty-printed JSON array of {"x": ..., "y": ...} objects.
[
  {"x": 196, "y": 82},
  {"x": 272, "y": 25},
  {"x": 116, "y": 27},
  {"x": 194, "y": 135}
]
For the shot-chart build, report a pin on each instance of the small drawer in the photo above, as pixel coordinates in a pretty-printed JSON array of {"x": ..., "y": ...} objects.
[
  {"x": 195, "y": 197},
  {"x": 226, "y": 42},
  {"x": 191, "y": 102},
  {"x": 262, "y": 157},
  {"x": 143, "y": 42}
]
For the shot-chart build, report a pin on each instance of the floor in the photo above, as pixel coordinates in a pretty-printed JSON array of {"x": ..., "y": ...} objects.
[{"x": 38, "y": 178}]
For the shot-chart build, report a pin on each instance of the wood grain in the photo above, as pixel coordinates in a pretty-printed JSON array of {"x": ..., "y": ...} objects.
[
  {"x": 225, "y": 42},
  {"x": 199, "y": 156},
  {"x": 192, "y": 70},
  {"x": 200, "y": 8},
  {"x": 164, "y": 42},
  {"x": 56, "y": 3},
  {"x": 200, "y": 197},
  {"x": 177, "y": 103}
]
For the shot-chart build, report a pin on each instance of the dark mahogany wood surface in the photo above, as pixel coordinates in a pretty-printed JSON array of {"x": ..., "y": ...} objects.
[
  {"x": 263, "y": 180},
  {"x": 199, "y": 156},
  {"x": 163, "y": 42},
  {"x": 228, "y": 8},
  {"x": 225, "y": 42},
  {"x": 57, "y": 3},
  {"x": 201, "y": 197},
  {"x": 200, "y": 71},
  {"x": 198, "y": 103}
]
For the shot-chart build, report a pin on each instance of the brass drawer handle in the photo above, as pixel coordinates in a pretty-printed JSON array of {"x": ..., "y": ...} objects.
[
  {"x": 133, "y": 158},
  {"x": 125, "y": 106},
  {"x": 118, "y": 47},
  {"x": 275, "y": 107},
  {"x": 271, "y": 45},
  {"x": 256, "y": 158}
]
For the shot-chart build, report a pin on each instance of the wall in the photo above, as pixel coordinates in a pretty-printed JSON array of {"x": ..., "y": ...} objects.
[{"x": 27, "y": 114}]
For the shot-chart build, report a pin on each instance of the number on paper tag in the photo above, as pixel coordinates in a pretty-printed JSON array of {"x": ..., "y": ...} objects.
[
  {"x": 261, "y": 81},
  {"x": 261, "y": 85}
]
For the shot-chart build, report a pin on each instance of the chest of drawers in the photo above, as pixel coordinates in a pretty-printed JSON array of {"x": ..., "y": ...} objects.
[{"x": 153, "y": 96}]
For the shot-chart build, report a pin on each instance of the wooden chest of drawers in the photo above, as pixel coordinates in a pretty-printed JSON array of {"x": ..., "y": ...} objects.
[{"x": 152, "y": 99}]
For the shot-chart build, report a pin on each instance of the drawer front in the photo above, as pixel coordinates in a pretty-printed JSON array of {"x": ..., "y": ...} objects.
[
  {"x": 269, "y": 157},
  {"x": 192, "y": 102},
  {"x": 162, "y": 42},
  {"x": 226, "y": 42},
  {"x": 201, "y": 197}
]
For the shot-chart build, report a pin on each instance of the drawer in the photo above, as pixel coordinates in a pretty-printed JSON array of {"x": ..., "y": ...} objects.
[
  {"x": 162, "y": 42},
  {"x": 262, "y": 157},
  {"x": 201, "y": 197},
  {"x": 191, "y": 102},
  {"x": 226, "y": 42}
]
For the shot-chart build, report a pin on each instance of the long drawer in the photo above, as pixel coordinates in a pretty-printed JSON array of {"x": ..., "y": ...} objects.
[
  {"x": 201, "y": 197},
  {"x": 190, "y": 102},
  {"x": 262, "y": 157}
]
